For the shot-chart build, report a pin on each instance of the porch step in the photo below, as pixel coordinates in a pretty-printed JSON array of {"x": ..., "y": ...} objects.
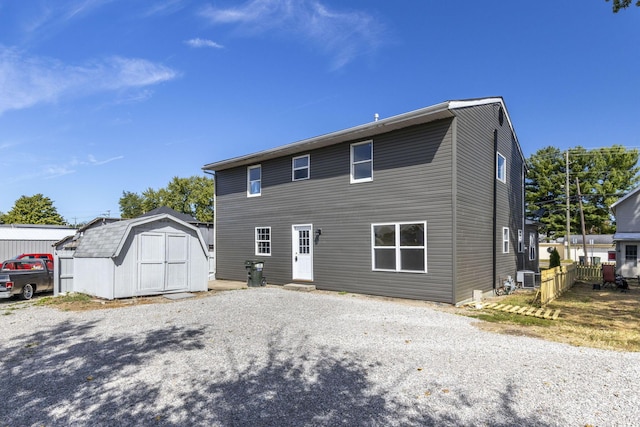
[{"x": 299, "y": 287}]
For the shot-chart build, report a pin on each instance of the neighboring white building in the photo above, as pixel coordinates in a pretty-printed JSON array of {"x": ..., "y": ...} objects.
[
  {"x": 600, "y": 249},
  {"x": 16, "y": 239}
]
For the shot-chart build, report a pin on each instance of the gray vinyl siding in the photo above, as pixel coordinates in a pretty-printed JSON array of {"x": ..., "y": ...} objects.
[
  {"x": 627, "y": 220},
  {"x": 412, "y": 181},
  {"x": 475, "y": 189}
]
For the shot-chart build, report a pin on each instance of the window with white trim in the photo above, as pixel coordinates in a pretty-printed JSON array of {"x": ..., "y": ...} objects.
[
  {"x": 520, "y": 241},
  {"x": 399, "y": 247},
  {"x": 300, "y": 168},
  {"x": 263, "y": 241},
  {"x": 254, "y": 181},
  {"x": 501, "y": 168},
  {"x": 532, "y": 246},
  {"x": 505, "y": 240},
  {"x": 362, "y": 161}
]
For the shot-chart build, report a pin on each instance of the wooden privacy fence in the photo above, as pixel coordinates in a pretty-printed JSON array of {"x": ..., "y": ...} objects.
[
  {"x": 590, "y": 273},
  {"x": 555, "y": 281}
]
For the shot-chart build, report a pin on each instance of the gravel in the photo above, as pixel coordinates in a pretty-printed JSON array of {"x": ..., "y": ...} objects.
[{"x": 271, "y": 357}]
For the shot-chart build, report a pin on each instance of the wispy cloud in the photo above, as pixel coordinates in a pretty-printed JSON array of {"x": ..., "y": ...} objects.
[
  {"x": 93, "y": 161},
  {"x": 197, "y": 42},
  {"x": 341, "y": 34},
  {"x": 50, "y": 16},
  {"x": 51, "y": 172},
  {"x": 26, "y": 81},
  {"x": 165, "y": 7}
]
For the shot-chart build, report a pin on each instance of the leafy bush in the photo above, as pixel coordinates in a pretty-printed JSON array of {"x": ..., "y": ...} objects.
[{"x": 554, "y": 258}]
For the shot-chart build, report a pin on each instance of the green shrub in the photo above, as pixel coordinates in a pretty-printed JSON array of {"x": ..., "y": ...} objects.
[{"x": 554, "y": 258}]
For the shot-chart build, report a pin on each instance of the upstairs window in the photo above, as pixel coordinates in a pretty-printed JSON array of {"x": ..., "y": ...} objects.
[
  {"x": 254, "y": 181},
  {"x": 362, "y": 162},
  {"x": 501, "y": 168},
  {"x": 300, "y": 168}
]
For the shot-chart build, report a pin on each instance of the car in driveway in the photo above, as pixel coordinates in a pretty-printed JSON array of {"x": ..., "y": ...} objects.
[{"x": 25, "y": 277}]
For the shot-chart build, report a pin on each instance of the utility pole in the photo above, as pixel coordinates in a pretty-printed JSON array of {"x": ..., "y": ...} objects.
[
  {"x": 584, "y": 234},
  {"x": 566, "y": 187}
]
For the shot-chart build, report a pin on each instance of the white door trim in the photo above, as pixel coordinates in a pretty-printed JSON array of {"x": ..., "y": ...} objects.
[{"x": 302, "y": 252}]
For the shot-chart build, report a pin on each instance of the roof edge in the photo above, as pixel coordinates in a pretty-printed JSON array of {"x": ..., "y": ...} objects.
[{"x": 423, "y": 115}]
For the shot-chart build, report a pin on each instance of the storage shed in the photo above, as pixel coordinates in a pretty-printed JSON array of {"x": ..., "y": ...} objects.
[{"x": 143, "y": 256}]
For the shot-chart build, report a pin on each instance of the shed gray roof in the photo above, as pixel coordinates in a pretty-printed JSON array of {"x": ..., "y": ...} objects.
[
  {"x": 107, "y": 241},
  {"x": 167, "y": 210}
]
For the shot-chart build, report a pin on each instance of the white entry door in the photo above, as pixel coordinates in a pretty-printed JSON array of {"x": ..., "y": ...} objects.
[{"x": 302, "y": 251}]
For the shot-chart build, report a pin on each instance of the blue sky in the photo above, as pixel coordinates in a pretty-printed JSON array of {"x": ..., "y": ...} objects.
[{"x": 98, "y": 97}]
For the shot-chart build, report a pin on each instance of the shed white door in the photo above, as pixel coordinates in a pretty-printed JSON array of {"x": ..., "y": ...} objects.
[
  {"x": 302, "y": 251},
  {"x": 162, "y": 262},
  {"x": 65, "y": 274},
  {"x": 177, "y": 257}
]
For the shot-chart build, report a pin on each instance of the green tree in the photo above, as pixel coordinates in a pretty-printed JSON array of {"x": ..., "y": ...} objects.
[
  {"x": 604, "y": 175},
  {"x": 36, "y": 209},
  {"x": 131, "y": 205},
  {"x": 622, "y": 4},
  {"x": 193, "y": 196}
]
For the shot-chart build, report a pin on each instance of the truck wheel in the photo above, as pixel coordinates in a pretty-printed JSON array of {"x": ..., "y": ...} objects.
[{"x": 27, "y": 291}]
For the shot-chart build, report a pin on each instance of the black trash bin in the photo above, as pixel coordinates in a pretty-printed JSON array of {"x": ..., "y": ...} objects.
[{"x": 255, "y": 276}]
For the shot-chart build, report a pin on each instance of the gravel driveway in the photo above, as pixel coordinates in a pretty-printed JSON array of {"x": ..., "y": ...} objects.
[{"x": 271, "y": 357}]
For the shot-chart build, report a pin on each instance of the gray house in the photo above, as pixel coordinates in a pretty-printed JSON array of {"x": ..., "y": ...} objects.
[
  {"x": 627, "y": 237},
  {"x": 148, "y": 255},
  {"x": 424, "y": 205}
]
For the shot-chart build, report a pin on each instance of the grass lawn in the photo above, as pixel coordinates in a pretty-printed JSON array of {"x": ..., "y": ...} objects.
[{"x": 606, "y": 319}]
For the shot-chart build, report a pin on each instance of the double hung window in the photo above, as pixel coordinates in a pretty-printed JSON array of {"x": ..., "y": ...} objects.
[
  {"x": 501, "y": 168},
  {"x": 362, "y": 161},
  {"x": 254, "y": 181},
  {"x": 300, "y": 168},
  {"x": 399, "y": 247},
  {"x": 263, "y": 241},
  {"x": 505, "y": 240},
  {"x": 532, "y": 246}
]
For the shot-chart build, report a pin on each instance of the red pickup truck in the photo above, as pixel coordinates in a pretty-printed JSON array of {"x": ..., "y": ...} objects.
[{"x": 47, "y": 257}]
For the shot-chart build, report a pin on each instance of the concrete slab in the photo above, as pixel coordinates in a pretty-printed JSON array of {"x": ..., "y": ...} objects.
[
  {"x": 299, "y": 287},
  {"x": 181, "y": 295},
  {"x": 226, "y": 285}
]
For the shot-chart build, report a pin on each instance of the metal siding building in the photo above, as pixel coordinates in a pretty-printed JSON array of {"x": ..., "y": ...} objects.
[
  {"x": 16, "y": 239},
  {"x": 434, "y": 166}
]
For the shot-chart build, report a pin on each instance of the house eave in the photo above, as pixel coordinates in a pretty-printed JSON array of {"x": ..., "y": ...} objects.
[{"x": 368, "y": 130}]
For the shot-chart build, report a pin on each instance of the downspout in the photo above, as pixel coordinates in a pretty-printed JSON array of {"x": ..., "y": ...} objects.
[
  {"x": 495, "y": 208},
  {"x": 454, "y": 209},
  {"x": 215, "y": 227}
]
